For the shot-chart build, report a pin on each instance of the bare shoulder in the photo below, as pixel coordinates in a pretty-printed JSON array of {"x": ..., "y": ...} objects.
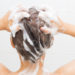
[
  {"x": 5, "y": 71},
  {"x": 68, "y": 69}
]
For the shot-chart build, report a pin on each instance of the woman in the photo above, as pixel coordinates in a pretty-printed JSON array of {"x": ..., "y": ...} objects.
[{"x": 26, "y": 66}]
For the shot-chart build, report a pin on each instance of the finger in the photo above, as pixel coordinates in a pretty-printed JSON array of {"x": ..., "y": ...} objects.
[
  {"x": 45, "y": 30},
  {"x": 52, "y": 21},
  {"x": 60, "y": 19}
]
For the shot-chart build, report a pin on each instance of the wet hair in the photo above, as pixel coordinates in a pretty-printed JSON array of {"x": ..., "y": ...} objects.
[{"x": 30, "y": 41}]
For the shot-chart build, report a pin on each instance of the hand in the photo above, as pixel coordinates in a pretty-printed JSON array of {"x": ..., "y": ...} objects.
[
  {"x": 56, "y": 27},
  {"x": 16, "y": 14},
  {"x": 4, "y": 22}
]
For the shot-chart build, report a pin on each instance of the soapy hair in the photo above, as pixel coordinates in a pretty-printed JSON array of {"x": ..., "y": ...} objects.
[{"x": 30, "y": 41}]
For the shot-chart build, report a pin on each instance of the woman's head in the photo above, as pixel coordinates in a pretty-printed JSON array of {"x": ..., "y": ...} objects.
[{"x": 30, "y": 41}]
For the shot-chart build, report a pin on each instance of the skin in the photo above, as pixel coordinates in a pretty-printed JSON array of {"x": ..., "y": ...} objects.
[{"x": 68, "y": 69}]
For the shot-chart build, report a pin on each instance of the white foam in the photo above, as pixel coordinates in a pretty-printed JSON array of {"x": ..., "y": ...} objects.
[
  {"x": 25, "y": 35},
  {"x": 37, "y": 51},
  {"x": 16, "y": 16},
  {"x": 44, "y": 16},
  {"x": 52, "y": 30},
  {"x": 18, "y": 13},
  {"x": 28, "y": 49}
]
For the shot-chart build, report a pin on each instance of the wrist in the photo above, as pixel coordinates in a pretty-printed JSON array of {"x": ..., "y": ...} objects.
[
  {"x": 2, "y": 26},
  {"x": 5, "y": 22}
]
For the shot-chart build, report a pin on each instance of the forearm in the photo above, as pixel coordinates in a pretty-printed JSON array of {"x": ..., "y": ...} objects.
[
  {"x": 67, "y": 29},
  {"x": 1, "y": 25},
  {"x": 68, "y": 69},
  {"x": 4, "y": 22}
]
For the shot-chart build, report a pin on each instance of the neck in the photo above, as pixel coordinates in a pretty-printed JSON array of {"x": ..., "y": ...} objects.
[{"x": 33, "y": 68}]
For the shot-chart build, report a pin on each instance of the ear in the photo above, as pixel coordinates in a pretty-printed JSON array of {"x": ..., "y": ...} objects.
[{"x": 12, "y": 42}]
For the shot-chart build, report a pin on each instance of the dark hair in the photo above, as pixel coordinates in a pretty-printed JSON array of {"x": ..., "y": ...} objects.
[{"x": 30, "y": 42}]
